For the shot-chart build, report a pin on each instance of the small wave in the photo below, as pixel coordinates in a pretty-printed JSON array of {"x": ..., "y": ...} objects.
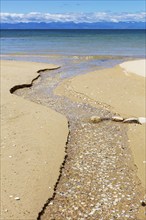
[{"x": 97, "y": 57}]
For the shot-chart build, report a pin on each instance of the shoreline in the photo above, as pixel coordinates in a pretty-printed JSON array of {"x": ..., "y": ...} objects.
[{"x": 75, "y": 56}]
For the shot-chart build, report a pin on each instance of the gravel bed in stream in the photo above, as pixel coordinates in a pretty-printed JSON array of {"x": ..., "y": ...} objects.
[{"x": 98, "y": 180}]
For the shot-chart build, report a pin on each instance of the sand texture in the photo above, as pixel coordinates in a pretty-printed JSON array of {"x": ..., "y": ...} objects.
[
  {"x": 99, "y": 179},
  {"x": 32, "y": 146},
  {"x": 122, "y": 93}
]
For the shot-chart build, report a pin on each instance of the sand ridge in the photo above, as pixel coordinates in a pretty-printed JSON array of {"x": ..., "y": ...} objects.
[{"x": 32, "y": 145}]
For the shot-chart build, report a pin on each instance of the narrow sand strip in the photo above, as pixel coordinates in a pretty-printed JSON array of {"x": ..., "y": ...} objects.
[
  {"x": 32, "y": 145},
  {"x": 123, "y": 93}
]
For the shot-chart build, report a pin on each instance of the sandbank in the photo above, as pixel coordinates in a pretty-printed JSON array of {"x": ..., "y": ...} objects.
[
  {"x": 33, "y": 139},
  {"x": 137, "y": 67},
  {"x": 120, "y": 91}
]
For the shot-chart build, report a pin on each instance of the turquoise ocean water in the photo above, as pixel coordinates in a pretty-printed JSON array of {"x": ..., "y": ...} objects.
[
  {"x": 74, "y": 42},
  {"x": 80, "y": 49}
]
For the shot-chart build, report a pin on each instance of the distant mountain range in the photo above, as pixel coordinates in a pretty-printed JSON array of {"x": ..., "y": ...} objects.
[{"x": 72, "y": 25}]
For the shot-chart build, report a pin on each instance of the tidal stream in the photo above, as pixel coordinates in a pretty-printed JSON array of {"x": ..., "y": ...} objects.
[{"x": 98, "y": 179}]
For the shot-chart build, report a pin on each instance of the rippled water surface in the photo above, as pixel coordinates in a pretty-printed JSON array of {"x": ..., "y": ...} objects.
[
  {"x": 98, "y": 179},
  {"x": 74, "y": 42}
]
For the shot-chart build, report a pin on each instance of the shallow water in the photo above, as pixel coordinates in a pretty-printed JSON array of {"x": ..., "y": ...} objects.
[
  {"x": 72, "y": 65},
  {"x": 98, "y": 179},
  {"x": 74, "y": 42}
]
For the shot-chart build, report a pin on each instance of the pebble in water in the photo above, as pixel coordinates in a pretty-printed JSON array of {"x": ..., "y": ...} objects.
[
  {"x": 17, "y": 198},
  {"x": 95, "y": 119},
  {"x": 117, "y": 118},
  {"x": 131, "y": 120},
  {"x": 142, "y": 120}
]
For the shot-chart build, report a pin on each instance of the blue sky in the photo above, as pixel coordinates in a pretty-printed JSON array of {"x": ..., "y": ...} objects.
[
  {"x": 84, "y": 6},
  {"x": 13, "y": 11}
]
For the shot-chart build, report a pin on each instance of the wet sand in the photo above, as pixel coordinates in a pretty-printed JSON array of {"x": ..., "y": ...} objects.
[
  {"x": 119, "y": 91},
  {"x": 99, "y": 179},
  {"x": 33, "y": 140},
  {"x": 94, "y": 152},
  {"x": 118, "y": 192}
]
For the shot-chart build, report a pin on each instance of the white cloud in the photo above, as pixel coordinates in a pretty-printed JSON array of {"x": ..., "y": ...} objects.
[{"x": 72, "y": 17}]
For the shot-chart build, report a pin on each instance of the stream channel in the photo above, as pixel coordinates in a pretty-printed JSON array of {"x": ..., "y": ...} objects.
[{"x": 97, "y": 178}]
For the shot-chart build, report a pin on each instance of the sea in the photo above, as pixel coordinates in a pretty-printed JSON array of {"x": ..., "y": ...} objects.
[{"x": 82, "y": 50}]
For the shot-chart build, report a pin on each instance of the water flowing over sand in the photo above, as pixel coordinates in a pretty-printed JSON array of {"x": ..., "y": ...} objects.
[
  {"x": 98, "y": 178},
  {"x": 94, "y": 151}
]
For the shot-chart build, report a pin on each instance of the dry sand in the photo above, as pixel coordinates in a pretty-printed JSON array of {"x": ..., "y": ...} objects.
[
  {"x": 32, "y": 145},
  {"x": 33, "y": 136},
  {"x": 120, "y": 91},
  {"x": 137, "y": 67}
]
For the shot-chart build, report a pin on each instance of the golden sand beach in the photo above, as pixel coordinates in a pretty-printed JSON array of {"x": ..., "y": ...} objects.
[
  {"x": 32, "y": 145},
  {"x": 122, "y": 89},
  {"x": 37, "y": 133}
]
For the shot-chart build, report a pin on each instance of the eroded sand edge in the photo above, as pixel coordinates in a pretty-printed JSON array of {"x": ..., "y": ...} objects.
[
  {"x": 123, "y": 93},
  {"x": 32, "y": 146}
]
